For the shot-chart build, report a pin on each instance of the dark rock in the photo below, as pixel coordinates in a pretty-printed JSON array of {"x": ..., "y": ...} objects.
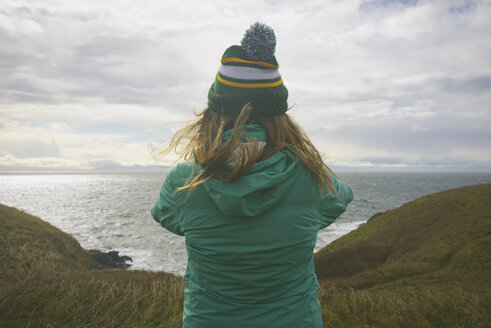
[
  {"x": 110, "y": 259},
  {"x": 376, "y": 215}
]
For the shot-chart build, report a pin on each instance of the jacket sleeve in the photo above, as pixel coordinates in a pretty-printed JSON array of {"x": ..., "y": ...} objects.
[
  {"x": 166, "y": 209},
  {"x": 334, "y": 204}
]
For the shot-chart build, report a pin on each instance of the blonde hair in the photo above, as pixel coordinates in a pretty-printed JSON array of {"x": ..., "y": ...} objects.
[{"x": 202, "y": 140}]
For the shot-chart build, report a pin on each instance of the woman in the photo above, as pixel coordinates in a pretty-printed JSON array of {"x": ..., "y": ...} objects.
[{"x": 250, "y": 199}]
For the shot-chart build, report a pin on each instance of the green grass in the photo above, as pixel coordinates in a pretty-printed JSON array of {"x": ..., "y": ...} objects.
[
  {"x": 447, "y": 234},
  {"x": 28, "y": 243},
  {"x": 425, "y": 264}
]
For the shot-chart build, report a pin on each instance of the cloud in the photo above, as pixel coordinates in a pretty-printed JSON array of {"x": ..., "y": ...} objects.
[
  {"x": 382, "y": 82},
  {"x": 25, "y": 147},
  {"x": 53, "y": 144},
  {"x": 92, "y": 112},
  {"x": 383, "y": 4}
]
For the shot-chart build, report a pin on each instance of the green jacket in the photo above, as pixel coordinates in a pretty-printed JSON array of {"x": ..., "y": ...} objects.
[{"x": 250, "y": 242}]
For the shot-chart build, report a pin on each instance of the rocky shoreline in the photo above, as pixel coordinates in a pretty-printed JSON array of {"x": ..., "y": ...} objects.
[{"x": 111, "y": 259}]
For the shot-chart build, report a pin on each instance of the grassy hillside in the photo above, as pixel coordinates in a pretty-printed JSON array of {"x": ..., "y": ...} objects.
[
  {"x": 430, "y": 240},
  {"x": 425, "y": 264},
  {"x": 30, "y": 244},
  {"x": 48, "y": 280}
]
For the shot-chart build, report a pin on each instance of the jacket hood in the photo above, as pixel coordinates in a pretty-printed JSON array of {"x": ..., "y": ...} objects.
[{"x": 262, "y": 187}]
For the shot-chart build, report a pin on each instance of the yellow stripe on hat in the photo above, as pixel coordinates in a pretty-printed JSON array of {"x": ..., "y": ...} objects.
[
  {"x": 239, "y": 60},
  {"x": 250, "y": 85}
]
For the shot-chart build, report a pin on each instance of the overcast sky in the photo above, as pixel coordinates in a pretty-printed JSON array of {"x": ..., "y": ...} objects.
[{"x": 376, "y": 84}]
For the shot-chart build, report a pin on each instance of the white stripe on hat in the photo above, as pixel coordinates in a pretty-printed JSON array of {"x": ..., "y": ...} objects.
[{"x": 248, "y": 73}]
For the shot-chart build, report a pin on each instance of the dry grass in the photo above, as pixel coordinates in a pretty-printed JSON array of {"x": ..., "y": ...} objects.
[
  {"x": 143, "y": 299},
  {"x": 112, "y": 298},
  {"x": 408, "y": 307}
]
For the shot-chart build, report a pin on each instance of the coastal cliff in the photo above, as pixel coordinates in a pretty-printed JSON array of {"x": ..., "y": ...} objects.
[
  {"x": 424, "y": 264},
  {"x": 442, "y": 238}
]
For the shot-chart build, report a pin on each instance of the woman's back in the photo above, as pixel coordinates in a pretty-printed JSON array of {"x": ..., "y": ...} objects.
[{"x": 250, "y": 242}]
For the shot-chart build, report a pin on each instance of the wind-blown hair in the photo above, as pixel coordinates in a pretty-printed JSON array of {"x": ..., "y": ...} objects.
[{"x": 202, "y": 141}]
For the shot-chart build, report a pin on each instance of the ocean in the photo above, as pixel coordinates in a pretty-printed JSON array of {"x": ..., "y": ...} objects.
[{"x": 111, "y": 211}]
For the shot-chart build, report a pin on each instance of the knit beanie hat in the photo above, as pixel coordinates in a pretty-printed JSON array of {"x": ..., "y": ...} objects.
[{"x": 249, "y": 74}]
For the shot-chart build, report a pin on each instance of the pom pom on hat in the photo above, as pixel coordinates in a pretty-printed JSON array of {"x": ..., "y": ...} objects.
[{"x": 259, "y": 42}]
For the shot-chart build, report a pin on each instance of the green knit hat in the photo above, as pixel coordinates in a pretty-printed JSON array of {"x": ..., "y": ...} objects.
[{"x": 249, "y": 73}]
